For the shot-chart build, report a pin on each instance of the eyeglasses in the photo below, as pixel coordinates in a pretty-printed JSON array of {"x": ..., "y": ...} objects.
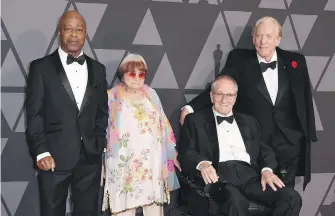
[
  {"x": 141, "y": 75},
  {"x": 229, "y": 96}
]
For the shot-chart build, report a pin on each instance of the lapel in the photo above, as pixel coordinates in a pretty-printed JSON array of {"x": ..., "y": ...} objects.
[
  {"x": 282, "y": 80},
  {"x": 295, "y": 80},
  {"x": 63, "y": 78},
  {"x": 244, "y": 130},
  {"x": 210, "y": 129},
  {"x": 292, "y": 75},
  {"x": 259, "y": 80},
  {"x": 90, "y": 83}
]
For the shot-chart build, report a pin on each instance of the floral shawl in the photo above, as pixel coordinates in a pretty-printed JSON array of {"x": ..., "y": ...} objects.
[{"x": 115, "y": 99}]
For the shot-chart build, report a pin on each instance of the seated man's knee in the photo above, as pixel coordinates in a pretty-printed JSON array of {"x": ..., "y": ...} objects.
[
  {"x": 292, "y": 196},
  {"x": 234, "y": 200},
  {"x": 296, "y": 197}
]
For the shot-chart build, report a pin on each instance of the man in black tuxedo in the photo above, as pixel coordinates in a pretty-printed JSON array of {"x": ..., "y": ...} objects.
[
  {"x": 274, "y": 88},
  {"x": 228, "y": 147},
  {"x": 67, "y": 114}
]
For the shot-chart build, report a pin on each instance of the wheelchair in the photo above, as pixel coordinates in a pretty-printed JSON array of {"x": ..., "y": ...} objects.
[{"x": 208, "y": 192}]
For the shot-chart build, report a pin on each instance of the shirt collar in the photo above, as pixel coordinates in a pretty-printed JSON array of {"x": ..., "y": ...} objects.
[
  {"x": 219, "y": 114},
  {"x": 273, "y": 58},
  {"x": 63, "y": 55}
]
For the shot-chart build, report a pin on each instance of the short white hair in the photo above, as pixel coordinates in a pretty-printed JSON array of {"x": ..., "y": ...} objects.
[
  {"x": 224, "y": 77},
  {"x": 132, "y": 57},
  {"x": 265, "y": 19}
]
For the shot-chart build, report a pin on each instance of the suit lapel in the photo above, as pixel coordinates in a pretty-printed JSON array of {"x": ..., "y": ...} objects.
[
  {"x": 244, "y": 130},
  {"x": 256, "y": 70},
  {"x": 293, "y": 76},
  {"x": 90, "y": 84},
  {"x": 282, "y": 80},
  {"x": 210, "y": 128},
  {"x": 63, "y": 78}
]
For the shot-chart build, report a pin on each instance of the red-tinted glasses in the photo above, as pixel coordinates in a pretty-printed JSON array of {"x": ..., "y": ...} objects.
[{"x": 141, "y": 74}]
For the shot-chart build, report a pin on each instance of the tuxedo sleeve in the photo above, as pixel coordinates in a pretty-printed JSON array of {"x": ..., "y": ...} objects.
[
  {"x": 35, "y": 95},
  {"x": 233, "y": 64},
  {"x": 101, "y": 119},
  {"x": 267, "y": 158},
  {"x": 189, "y": 155},
  {"x": 309, "y": 104},
  {"x": 203, "y": 100}
]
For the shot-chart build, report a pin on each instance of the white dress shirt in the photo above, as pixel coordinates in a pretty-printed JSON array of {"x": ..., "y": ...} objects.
[
  {"x": 231, "y": 144},
  {"x": 270, "y": 78},
  {"x": 77, "y": 75}
]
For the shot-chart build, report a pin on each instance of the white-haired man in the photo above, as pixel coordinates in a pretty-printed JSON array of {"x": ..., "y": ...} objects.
[{"x": 274, "y": 87}]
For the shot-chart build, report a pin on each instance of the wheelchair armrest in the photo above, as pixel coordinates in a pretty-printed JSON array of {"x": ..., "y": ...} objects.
[
  {"x": 283, "y": 174},
  {"x": 188, "y": 180},
  {"x": 212, "y": 189},
  {"x": 192, "y": 181}
]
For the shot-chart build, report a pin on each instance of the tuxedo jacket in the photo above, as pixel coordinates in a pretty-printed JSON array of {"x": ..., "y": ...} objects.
[
  {"x": 199, "y": 141},
  {"x": 54, "y": 122},
  {"x": 293, "y": 116}
]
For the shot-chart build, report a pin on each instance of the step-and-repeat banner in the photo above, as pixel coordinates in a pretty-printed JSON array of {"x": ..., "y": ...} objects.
[{"x": 185, "y": 43}]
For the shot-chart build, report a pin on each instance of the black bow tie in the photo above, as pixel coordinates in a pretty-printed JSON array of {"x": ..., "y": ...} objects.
[
  {"x": 229, "y": 119},
  {"x": 264, "y": 66},
  {"x": 70, "y": 59}
]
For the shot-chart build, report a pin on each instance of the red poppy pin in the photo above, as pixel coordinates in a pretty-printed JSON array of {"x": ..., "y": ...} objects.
[{"x": 294, "y": 64}]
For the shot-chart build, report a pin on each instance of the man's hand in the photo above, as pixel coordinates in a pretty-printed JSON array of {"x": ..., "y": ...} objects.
[
  {"x": 271, "y": 179},
  {"x": 183, "y": 114},
  {"x": 46, "y": 163},
  {"x": 208, "y": 173}
]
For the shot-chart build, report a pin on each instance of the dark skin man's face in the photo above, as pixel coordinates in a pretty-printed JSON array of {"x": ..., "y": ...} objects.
[{"x": 72, "y": 29}]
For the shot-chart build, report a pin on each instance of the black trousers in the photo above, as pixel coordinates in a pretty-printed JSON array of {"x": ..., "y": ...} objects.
[
  {"x": 245, "y": 183},
  {"x": 288, "y": 154},
  {"x": 84, "y": 180}
]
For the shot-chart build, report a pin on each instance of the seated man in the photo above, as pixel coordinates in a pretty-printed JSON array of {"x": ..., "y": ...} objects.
[{"x": 227, "y": 147}]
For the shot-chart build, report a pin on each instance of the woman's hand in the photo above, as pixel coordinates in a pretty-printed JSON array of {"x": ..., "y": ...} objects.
[
  {"x": 176, "y": 162},
  {"x": 103, "y": 175}
]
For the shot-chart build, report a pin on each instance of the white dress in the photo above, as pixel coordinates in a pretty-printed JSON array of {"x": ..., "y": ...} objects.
[{"x": 134, "y": 176}]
